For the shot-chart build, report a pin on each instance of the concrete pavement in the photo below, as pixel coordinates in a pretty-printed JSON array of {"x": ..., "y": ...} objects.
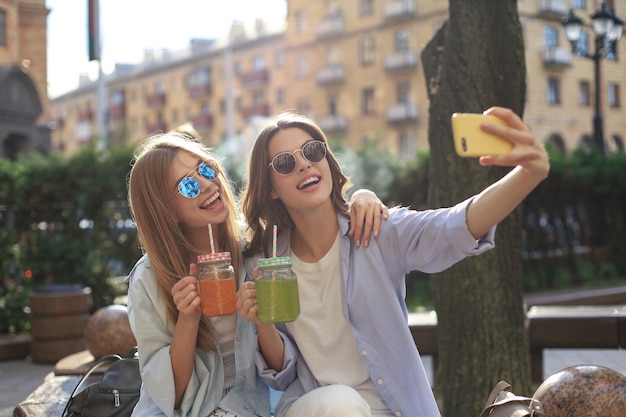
[{"x": 18, "y": 378}]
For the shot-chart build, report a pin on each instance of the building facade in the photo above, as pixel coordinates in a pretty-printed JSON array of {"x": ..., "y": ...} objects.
[
  {"x": 23, "y": 78},
  {"x": 352, "y": 65}
]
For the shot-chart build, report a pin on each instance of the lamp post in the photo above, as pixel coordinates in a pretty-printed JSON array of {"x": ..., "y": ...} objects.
[{"x": 608, "y": 29}]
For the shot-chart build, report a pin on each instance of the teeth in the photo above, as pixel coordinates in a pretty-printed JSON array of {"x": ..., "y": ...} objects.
[
  {"x": 308, "y": 181},
  {"x": 211, "y": 200}
]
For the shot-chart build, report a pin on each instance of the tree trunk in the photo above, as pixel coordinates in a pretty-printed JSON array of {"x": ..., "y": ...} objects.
[{"x": 475, "y": 61}]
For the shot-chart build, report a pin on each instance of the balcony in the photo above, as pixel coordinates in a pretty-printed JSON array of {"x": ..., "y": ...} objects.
[
  {"x": 331, "y": 74},
  {"x": 401, "y": 60},
  {"x": 200, "y": 91},
  {"x": 333, "y": 123},
  {"x": 252, "y": 79},
  {"x": 399, "y": 9},
  {"x": 158, "y": 126},
  {"x": 556, "y": 57},
  {"x": 202, "y": 121},
  {"x": 257, "y": 109},
  {"x": 553, "y": 9},
  {"x": 155, "y": 100},
  {"x": 117, "y": 111},
  {"x": 85, "y": 115},
  {"x": 331, "y": 26},
  {"x": 402, "y": 112}
]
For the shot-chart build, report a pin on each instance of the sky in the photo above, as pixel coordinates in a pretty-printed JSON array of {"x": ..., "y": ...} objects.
[{"x": 129, "y": 27}]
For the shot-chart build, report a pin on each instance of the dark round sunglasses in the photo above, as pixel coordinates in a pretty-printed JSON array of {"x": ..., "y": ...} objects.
[
  {"x": 285, "y": 162},
  {"x": 189, "y": 187}
]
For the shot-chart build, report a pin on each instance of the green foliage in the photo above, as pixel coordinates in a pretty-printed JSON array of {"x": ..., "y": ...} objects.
[
  {"x": 14, "y": 311},
  {"x": 66, "y": 221}
]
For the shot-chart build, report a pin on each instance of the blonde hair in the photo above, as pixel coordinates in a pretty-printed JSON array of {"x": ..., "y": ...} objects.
[{"x": 161, "y": 236}]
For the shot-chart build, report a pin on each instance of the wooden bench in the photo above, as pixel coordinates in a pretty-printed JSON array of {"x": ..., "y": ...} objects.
[{"x": 549, "y": 327}]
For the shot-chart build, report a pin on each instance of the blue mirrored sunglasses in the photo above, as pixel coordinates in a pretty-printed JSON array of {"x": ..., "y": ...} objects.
[{"x": 189, "y": 187}]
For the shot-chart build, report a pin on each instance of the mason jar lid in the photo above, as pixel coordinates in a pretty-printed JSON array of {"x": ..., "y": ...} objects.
[
  {"x": 212, "y": 257},
  {"x": 278, "y": 261}
]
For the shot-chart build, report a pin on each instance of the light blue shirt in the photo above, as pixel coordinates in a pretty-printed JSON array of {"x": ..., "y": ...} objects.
[
  {"x": 249, "y": 397},
  {"x": 374, "y": 304}
]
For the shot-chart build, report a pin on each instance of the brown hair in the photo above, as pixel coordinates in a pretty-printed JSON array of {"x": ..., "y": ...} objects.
[
  {"x": 161, "y": 236},
  {"x": 260, "y": 210}
]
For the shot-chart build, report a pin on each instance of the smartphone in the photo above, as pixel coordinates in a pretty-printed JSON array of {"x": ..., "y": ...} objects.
[{"x": 471, "y": 141}]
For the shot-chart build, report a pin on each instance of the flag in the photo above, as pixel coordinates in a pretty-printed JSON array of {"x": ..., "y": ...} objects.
[{"x": 93, "y": 29}]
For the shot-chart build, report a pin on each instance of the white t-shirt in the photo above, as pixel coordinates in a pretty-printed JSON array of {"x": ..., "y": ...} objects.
[{"x": 322, "y": 332}]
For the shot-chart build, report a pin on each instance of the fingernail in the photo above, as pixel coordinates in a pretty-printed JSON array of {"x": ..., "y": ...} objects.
[
  {"x": 358, "y": 243},
  {"x": 376, "y": 233},
  {"x": 366, "y": 243}
]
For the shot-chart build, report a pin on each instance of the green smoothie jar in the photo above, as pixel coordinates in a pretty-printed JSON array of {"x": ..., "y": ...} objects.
[{"x": 277, "y": 291}]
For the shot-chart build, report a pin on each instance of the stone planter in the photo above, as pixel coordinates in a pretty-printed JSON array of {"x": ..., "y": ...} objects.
[
  {"x": 14, "y": 346},
  {"x": 59, "y": 318}
]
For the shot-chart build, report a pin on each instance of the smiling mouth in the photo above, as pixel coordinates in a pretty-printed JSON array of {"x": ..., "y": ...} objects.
[
  {"x": 308, "y": 183},
  {"x": 214, "y": 199}
]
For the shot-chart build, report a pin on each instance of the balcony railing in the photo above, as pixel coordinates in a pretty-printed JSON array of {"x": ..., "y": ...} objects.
[
  {"x": 331, "y": 26},
  {"x": 396, "y": 9},
  {"x": 333, "y": 123},
  {"x": 556, "y": 57},
  {"x": 155, "y": 100},
  {"x": 402, "y": 112},
  {"x": 158, "y": 126},
  {"x": 117, "y": 112},
  {"x": 200, "y": 91},
  {"x": 258, "y": 109},
  {"x": 85, "y": 116},
  {"x": 401, "y": 60},
  {"x": 254, "y": 78},
  {"x": 553, "y": 9},
  {"x": 331, "y": 74},
  {"x": 202, "y": 121}
]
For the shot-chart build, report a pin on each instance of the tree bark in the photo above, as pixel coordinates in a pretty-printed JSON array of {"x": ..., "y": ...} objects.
[{"x": 475, "y": 61}]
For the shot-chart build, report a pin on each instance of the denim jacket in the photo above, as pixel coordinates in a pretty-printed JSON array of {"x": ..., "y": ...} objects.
[{"x": 249, "y": 397}]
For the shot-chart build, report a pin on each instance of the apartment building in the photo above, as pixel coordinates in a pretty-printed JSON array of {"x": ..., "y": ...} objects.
[{"x": 352, "y": 65}]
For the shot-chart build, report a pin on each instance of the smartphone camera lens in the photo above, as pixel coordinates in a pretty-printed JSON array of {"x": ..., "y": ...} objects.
[{"x": 463, "y": 144}]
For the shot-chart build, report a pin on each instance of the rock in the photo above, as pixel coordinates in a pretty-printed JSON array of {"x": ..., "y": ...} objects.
[
  {"x": 583, "y": 390},
  {"x": 108, "y": 332}
]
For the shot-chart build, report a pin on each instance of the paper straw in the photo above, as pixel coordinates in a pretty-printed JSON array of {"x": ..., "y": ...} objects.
[
  {"x": 211, "y": 238},
  {"x": 274, "y": 233}
]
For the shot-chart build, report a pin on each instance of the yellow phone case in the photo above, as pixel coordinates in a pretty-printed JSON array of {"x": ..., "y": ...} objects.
[{"x": 471, "y": 141}]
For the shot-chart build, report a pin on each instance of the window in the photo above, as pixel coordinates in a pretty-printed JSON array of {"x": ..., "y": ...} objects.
[
  {"x": 332, "y": 105},
  {"x": 333, "y": 55},
  {"x": 579, "y": 4},
  {"x": 259, "y": 97},
  {"x": 554, "y": 91},
  {"x": 582, "y": 46},
  {"x": 367, "y": 50},
  {"x": 199, "y": 77},
  {"x": 406, "y": 145},
  {"x": 302, "y": 65},
  {"x": 367, "y": 101},
  {"x": 159, "y": 87},
  {"x": 279, "y": 59},
  {"x": 300, "y": 20},
  {"x": 280, "y": 96},
  {"x": 258, "y": 63},
  {"x": 366, "y": 7},
  {"x": 584, "y": 93},
  {"x": 3, "y": 27},
  {"x": 614, "y": 95},
  {"x": 402, "y": 40},
  {"x": 303, "y": 106},
  {"x": 550, "y": 36},
  {"x": 403, "y": 91}
]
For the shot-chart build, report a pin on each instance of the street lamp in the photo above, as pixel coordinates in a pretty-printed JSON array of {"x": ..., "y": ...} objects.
[{"x": 608, "y": 29}]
